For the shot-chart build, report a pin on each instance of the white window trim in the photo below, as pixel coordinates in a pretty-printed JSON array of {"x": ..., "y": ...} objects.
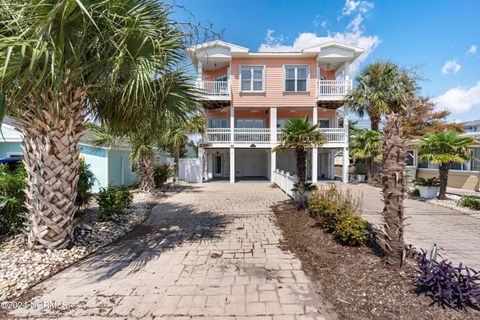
[
  {"x": 307, "y": 87},
  {"x": 222, "y": 76},
  {"x": 251, "y": 81},
  {"x": 224, "y": 118}
]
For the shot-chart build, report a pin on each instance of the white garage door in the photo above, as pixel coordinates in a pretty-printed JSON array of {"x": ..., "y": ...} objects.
[{"x": 251, "y": 163}]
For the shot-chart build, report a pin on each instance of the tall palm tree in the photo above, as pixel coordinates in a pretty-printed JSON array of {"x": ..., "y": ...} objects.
[
  {"x": 62, "y": 61},
  {"x": 175, "y": 137},
  {"x": 384, "y": 89},
  {"x": 377, "y": 89},
  {"x": 367, "y": 144},
  {"x": 300, "y": 135},
  {"x": 444, "y": 149}
]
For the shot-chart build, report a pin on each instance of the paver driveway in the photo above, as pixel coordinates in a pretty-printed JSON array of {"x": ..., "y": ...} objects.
[
  {"x": 456, "y": 234},
  {"x": 210, "y": 252}
]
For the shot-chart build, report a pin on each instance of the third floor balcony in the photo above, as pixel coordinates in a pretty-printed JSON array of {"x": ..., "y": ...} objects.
[{"x": 215, "y": 90}]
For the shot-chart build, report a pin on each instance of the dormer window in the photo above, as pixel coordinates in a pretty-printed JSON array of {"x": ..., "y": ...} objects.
[
  {"x": 296, "y": 78},
  {"x": 252, "y": 79}
]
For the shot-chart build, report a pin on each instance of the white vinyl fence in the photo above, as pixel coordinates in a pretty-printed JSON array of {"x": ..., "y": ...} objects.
[
  {"x": 285, "y": 181},
  {"x": 189, "y": 170}
]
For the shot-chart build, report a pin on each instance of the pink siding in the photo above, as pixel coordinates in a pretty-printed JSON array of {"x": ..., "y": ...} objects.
[
  {"x": 274, "y": 94},
  {"x": 210, "y": 75}
]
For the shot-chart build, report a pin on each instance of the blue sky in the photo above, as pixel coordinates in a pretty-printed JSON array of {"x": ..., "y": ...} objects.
[{"x": 440, "y": 38}]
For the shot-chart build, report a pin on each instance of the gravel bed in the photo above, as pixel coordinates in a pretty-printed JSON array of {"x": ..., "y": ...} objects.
[{"x": 21, "y": 268}]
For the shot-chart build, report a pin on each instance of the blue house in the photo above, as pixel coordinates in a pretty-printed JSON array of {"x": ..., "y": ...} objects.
[{"x": 111, "y": 166}]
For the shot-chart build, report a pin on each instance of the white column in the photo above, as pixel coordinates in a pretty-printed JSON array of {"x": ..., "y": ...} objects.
[
  {"x": 346, "y": 163},
  {"x": 232, "y": 164},
  {"x": 273, "y": 125},
  {"x": 346, "y": 159},
  {"x": 315, "y": 150},
  {"x": 232, "y": 125},
  {"x": 199, "y": 70},
  {"x": 347, "y": 71},
  {"x": 273, "y": 164}
]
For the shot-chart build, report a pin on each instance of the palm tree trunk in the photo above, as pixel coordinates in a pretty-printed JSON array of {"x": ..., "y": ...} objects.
[
  {"x": 146, "y": 172},
  {"x": 393, "y": 189},
  {"x": 301, "y": 155},
  {"x": 368, "y": 168},
  {"x": 51, "y": 131},
  {"x": 374, "y": 119},
  {"x": 443, "y": 169}
]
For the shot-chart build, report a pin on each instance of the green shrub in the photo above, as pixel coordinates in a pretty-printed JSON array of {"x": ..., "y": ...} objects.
[
  {"x": 414, "y": 193},
  {"x": 352, "y": 230},
  {"x": 427, "y": 182},
  {"x": 113, "y": 200},
  {"x": 337, "y": 212},
  {"x": 470, "y": 202},
  {"x": 162, "y": 173},
  {"x": 12, "y": 198},
  {"x": 84, "y": 185}
]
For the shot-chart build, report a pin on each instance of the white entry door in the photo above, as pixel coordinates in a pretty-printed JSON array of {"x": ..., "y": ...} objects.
[{"x": 218, "y": 166}]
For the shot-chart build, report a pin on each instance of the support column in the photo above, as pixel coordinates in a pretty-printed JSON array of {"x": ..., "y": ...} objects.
[
  {"x": 232, "y": 164},
  {"x": 273, "y": 125},
  {"x": 315, "y": 149},
  {"x": 346, "y": 158},
  {"x": 273, "y": 164},
  {"x": 232, "y": 125}
]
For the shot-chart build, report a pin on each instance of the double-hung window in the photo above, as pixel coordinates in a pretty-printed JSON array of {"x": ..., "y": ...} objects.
[
  {"x": 252, "y": 78},
  {"x": 296, "y": 78}
]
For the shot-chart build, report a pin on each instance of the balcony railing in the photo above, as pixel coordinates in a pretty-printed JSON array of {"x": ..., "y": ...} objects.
[
  {"x": 333, "y": 89},
  {"x": 215, "y": 89},
  {"x": 263, "y": 135}
]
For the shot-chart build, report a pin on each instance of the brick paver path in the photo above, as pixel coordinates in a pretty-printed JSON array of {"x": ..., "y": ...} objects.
[
  {"x": 210, "y": 252},
  {"x": 456, "y": 234}
]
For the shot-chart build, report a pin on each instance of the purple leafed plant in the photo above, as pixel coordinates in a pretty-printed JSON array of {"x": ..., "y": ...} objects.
[{"x": 455, "y": 287}]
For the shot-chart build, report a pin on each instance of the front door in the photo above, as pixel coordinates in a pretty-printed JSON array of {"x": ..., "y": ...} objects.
[{"x": 218, "y": 166}]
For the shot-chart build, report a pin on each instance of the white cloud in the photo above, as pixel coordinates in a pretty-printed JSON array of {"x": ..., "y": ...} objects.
[
  {"x": 459, "y": 99},
  {"x": 352, "y": 6},
  {"x": 353, "y": 34},
  {"x": 320, "y": 23},
  {"x": 472, "y": 50},
  {"x": 451, "y": 65}
]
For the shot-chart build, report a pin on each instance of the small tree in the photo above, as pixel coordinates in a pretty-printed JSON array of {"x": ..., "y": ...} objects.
[
  {"x": 444, "y": 149},
  {"x": 367, "y": 144},
  {"x": 300, "y": 135}
]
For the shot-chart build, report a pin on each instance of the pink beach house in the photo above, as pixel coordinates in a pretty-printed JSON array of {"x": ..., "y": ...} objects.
[{"x": 248, "y": 96}]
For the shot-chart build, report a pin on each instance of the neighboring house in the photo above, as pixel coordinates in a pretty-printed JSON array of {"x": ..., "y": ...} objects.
[
  {"x": 461, "y": 175},
  {"x": 471, "y": 126},
  {"x": 248, "y": 97},
  {"x": 111, "y": 166}
]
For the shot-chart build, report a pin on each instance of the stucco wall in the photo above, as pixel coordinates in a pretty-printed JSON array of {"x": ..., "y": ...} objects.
[
  {"x": 9, "y": 147},
  {"x": 97, "y": 159},
  {"x": 469, "y": 180},
  {"x": 118, "y": 162}
]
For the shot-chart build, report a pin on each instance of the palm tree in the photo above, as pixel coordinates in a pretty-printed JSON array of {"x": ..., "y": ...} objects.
[
  {"x": 444, "y": 149},
  {"x": 62, "y": 61},
  {"x": 300, "y": 135},
  {"x": 377, "y": 88},
  {"x": 367, "y": 144},
  {"x": 176, "y": 135}
]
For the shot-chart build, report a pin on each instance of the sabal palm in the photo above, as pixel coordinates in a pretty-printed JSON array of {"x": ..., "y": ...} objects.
[
  {"x": 444, "y": 149},
  {"x": 367, "y": 144},
  {"x": 381, "y": 88},
  {"x": 61, "y": 60},
  {"x": 300, "y": 135}
]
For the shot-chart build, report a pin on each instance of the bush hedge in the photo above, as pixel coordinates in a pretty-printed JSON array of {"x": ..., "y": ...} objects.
[
  {"x": 162, "y": 173},
  {"x": 12, "y": 198},
  {"x": 85, "y": 184},
  {"x": 338, "y": 212},
  {"x": 112, "y": 200},
  {"x": 470, "y": 202}
]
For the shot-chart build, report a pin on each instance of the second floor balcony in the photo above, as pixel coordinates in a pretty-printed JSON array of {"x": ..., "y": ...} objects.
[
  {"x": 332, "y": 90},
  {"x": 246, "y": 136},
  {"x": 215, "y": 90}
]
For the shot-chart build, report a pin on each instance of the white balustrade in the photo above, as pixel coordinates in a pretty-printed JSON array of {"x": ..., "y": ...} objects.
[
  {"x": 215, "y": 88},
  {"x": 334, "y": 87},
  {"x": 285, "y": 181},
  {"x": 248, "y": 135},
  {"x": 334, "y": 135}
]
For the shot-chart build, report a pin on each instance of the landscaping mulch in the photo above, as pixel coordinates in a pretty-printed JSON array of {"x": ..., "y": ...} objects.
[{"x": 354, "y": 279}]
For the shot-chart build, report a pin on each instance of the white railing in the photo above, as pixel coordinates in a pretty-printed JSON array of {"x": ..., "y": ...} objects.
[
  {"x": 215, "y": 88},
  {"x": 334, "y": 135},
  {"x": 328, "y": 88},
  {"x": 263, "y": 135},
  {"x": 284, "y": 181},
  {"x": 247, "y": 135},
  {"x": 217, "y": 135}
]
